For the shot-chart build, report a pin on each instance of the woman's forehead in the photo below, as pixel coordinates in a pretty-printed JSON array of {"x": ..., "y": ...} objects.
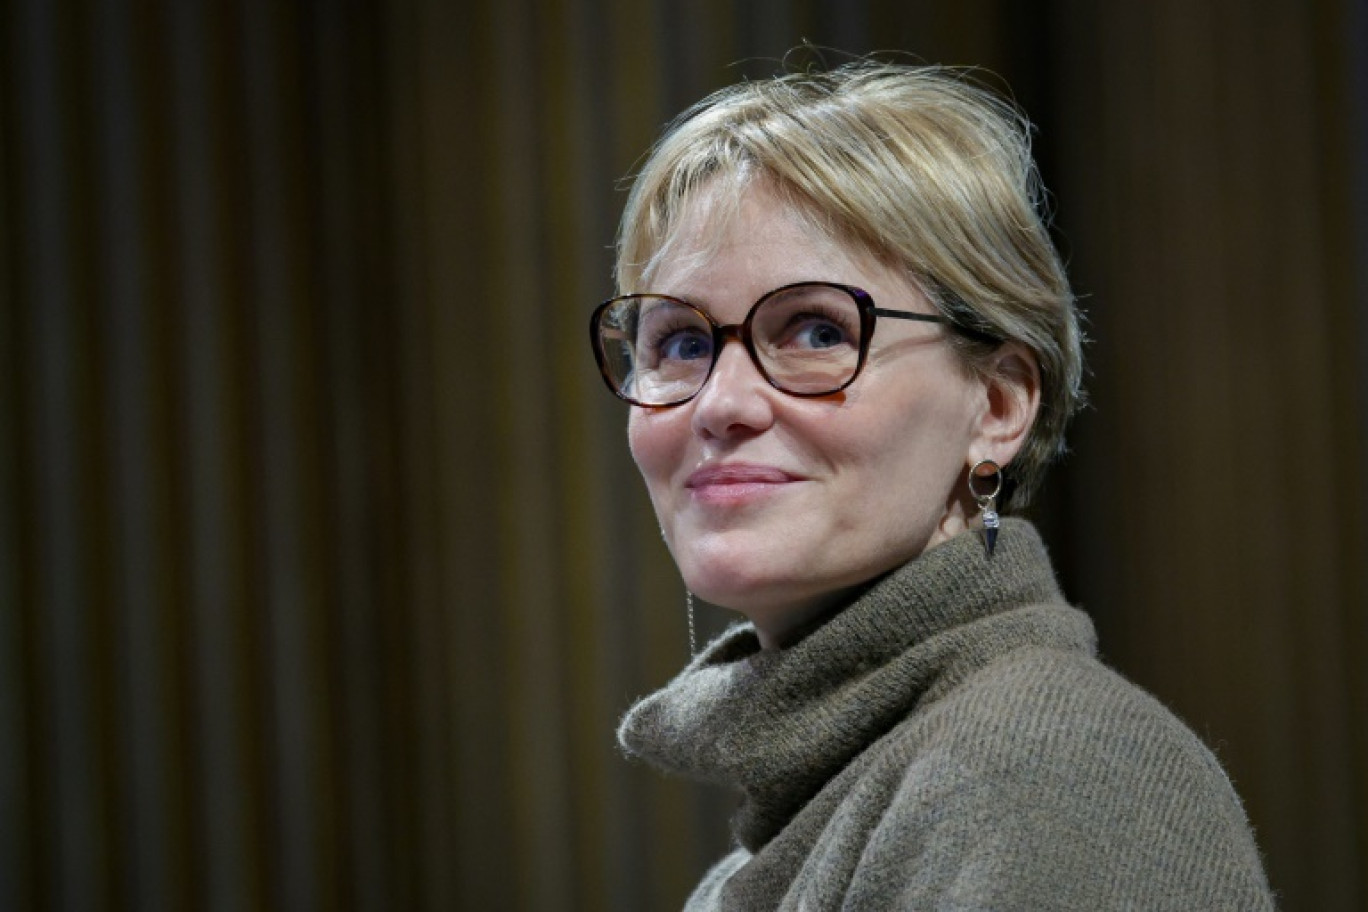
[{"x": 745, "y": 220}]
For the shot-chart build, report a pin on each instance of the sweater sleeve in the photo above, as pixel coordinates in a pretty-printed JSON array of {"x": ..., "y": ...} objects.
[{"x": 1052, "y": 783}]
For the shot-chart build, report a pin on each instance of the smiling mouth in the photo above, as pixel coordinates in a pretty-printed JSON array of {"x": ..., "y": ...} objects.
[{"x": 737, "y": 483}]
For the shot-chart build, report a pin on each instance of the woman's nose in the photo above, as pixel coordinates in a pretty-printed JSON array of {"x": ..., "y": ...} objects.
[{"x": 736, "y": 398}]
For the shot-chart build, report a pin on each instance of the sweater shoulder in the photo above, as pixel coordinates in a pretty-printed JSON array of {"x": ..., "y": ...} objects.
[
  {"x": 1058, "y": 775},
  {"x": 1042, "y": 718},
  {"x": 1065, "y": 704}
]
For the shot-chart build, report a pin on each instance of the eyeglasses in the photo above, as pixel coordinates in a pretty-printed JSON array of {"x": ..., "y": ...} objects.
[{"x": 807, "y": 339}]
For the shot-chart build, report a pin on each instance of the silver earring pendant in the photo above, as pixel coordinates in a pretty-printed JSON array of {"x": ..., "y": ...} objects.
[
  {"x": 987, "y": 501},
  {"x": 693, "y": 639}
]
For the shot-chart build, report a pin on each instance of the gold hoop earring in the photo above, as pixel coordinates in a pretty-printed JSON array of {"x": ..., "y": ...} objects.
[{"x": 987, "y": 501}]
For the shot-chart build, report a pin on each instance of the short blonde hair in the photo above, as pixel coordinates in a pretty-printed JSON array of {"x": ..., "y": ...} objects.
[{"x": 919, "y": 166}]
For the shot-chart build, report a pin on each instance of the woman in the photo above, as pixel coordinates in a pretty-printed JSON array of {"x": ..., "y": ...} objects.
[{"x": 843, "y": 328}]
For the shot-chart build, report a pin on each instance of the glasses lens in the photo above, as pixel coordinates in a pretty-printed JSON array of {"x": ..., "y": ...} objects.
[
  {"x": 655, "y": 351},
  {"x": 808, "y": 338}
]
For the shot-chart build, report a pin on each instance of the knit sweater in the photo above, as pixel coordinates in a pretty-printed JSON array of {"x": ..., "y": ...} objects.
[{"x": 949, "y": 740}]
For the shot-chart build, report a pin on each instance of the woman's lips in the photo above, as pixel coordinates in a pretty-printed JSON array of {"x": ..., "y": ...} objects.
[{"x": 737, "y": 483}]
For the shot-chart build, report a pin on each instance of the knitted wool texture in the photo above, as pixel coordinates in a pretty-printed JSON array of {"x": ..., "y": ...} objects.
[{"x": 950, "y": 741}]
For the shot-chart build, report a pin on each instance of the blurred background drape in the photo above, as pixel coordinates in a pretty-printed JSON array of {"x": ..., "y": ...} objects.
[{"x": 324, "y": 571}]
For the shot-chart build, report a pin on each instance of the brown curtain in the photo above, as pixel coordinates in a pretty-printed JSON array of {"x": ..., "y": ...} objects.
[{"x": 324, "y": 571}]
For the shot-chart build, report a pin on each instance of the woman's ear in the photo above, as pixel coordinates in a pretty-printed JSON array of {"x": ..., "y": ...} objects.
[{"x": 1012, "y": 398}]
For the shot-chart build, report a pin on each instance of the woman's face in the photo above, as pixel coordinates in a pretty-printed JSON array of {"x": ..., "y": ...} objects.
[{"x": 774, "y": 505}]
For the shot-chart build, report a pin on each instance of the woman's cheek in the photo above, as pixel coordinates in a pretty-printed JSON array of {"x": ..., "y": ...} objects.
[
  {"x": 637, "y": 442},
  {"x": 648, "y": 440}
]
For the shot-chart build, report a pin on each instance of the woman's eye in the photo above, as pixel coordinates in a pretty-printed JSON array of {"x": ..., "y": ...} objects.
[
  {"x": 820, "y": 334},
  {"x": 684, "y": 345},
  {"x": 815, "y": 333}
]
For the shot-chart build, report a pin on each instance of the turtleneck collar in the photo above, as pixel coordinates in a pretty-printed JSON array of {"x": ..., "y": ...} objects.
[{"x": 779, "y": 724}]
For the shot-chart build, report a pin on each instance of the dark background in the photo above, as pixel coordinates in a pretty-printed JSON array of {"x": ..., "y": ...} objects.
[{"x": 324, "y": 571}]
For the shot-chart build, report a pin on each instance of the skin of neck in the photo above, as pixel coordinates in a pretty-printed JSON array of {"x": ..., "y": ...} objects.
[{"x": 784, "y": 628}]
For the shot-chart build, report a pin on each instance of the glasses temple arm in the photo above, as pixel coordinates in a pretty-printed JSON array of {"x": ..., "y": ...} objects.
[{"x": 978, "y": 334}]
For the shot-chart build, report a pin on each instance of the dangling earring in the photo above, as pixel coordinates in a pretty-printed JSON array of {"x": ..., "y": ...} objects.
[
  {"x": 693, "y": 641},
  {"x": 987, "y": 512}
]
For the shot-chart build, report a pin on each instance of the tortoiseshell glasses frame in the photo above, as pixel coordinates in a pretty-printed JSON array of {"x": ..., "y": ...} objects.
[{"x": 802, "y": 346}]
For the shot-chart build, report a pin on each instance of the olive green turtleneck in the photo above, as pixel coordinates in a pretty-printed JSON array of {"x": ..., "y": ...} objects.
[{"x": 950, "y": 741}]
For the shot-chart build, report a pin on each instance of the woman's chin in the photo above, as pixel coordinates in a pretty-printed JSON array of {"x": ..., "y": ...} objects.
[
  {"x": 749, "y": 570},
  {"x": 738, "y": 590},
  {"x": 742, "y": 586},
  {"x": 780, "y": 612}
]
